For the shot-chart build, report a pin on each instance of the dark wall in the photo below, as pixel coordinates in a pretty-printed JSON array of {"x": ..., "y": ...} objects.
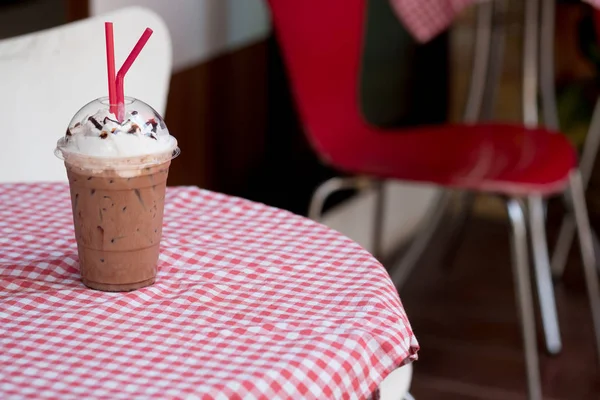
[{"x": 402, "y": 83}]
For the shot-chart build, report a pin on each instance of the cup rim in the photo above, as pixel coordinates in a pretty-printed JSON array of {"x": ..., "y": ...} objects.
[{"x": 116, "y": 163}]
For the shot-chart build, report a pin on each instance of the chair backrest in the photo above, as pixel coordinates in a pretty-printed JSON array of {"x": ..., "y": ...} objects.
[
  {"x": 321, "y": 42},
  {"x": 47, "y": 76}
]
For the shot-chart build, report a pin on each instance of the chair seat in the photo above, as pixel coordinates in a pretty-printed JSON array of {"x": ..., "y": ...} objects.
[{"x": 500, "y": 158}]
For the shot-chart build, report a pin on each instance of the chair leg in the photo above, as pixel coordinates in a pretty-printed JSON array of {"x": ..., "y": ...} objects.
[
  {"x": 524, "y": 296},
  {"x": 496, "y": 59},
  {"x": 329, "y": 187},
  {"x": 596, "y": 249},
  {"x": 458, "y": 228},
  {"x": 586, "y": 166},
  {"x": 481, "y": 59},
  {"x": 530, "y": 63},
  {"x": 379, "y": 220},
  {"x": 563, "y": 246},
  {"x": 586, "y": 244},
  {"x": 400, "y": 272},
  {"x": 547, "y": 76},
  {"x": 543, "y": 278}
]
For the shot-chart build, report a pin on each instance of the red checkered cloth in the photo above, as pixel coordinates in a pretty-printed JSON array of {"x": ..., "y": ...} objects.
[
  {"x": 425, "y": 19},
  {"x": 250, "y": 302},
  {"x": 595, "y": 3}
]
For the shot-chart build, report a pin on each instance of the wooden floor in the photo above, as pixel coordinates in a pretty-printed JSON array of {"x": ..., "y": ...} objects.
[{"x": 465, "y": 318}]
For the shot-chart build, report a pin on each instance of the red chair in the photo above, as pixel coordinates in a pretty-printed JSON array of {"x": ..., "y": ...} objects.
[{"x": 321, "y": 43}]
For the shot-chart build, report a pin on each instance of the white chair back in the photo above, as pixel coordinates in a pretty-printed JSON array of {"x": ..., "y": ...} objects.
[{"x": 46, "y": 76}]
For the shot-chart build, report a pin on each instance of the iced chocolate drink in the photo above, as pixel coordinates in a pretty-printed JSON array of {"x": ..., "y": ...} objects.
[{"x": 117, "y": 174}]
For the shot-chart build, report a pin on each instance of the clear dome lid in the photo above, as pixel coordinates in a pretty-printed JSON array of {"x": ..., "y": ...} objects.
[{"x": 95, "y": 131}]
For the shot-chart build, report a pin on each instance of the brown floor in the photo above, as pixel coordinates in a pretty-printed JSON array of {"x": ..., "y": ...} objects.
[{"x": 465, "y": 318}]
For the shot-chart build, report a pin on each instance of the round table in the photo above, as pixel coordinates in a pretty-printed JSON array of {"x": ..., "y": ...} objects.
[{"x": 250, "y": 302}]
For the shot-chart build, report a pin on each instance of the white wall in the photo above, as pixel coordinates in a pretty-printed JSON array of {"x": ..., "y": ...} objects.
[{"x": 202, "y": 29}]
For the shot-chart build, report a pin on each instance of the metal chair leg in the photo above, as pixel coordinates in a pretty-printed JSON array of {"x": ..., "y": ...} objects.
[
  {"x": 524, "y": 296},
  {"x": 547, "y": 86},
  {"x": 437, "y": 211},
  {"x": 586, "y": 166},
  {"x": 460, "y": 221},
  {"x": 496, "y": 58},
  {"x": 543, "y": 278},
  {"x": 481, "y": 57},
  {"x": 563, "y": 246},
  {"x": 587, "y": 251},
  {"x": 530, "y": 63},
  {"x": 487, "y": 66},
  {"x": 331, "y": 186},
  {"x": 590, "y": 146},
  {"x": 378, "y": 221},
  {"x": 596, "y": 249},
  {"x": 422, "y": 237}
]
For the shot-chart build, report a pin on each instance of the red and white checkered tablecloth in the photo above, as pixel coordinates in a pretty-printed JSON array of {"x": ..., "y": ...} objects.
[
  {"x": 250, "y": 302},
  {"x": 595, "y": 3},
  {"x": 425, "y": 19}
]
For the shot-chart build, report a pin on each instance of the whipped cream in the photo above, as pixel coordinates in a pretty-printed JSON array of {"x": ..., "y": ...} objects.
[{"x": 101, "y": 135}]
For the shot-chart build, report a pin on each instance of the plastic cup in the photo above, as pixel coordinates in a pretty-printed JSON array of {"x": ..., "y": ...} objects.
[{"x": 117, "y": 201}]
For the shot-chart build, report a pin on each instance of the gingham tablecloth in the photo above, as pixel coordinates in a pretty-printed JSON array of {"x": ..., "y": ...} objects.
[
  {"x": 425, "y": 19},
  {"x": 250, "y": 302}
]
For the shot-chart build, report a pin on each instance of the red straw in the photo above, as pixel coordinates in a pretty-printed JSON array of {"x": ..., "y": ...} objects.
[
  {"x": 126, "y": 65},
  {"x": 110, "y": 64}
]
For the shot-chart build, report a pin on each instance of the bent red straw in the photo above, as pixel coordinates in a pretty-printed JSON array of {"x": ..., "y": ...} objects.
[
  {"x": 110, "y": 66},
  {"x": 119, "y": 81}
]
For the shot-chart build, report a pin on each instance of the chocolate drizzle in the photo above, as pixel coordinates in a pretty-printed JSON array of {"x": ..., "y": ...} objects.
[
  {"x": 69, "y": 133},
  {"x": 134, "y": 128},
  {"x": 96, "y": 123},
  {"x": 154, "y": 124},
  {"x": 106, "y": 126}
]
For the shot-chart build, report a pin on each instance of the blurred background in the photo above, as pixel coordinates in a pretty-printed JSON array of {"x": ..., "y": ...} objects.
[{"x": 231, "y": 109}]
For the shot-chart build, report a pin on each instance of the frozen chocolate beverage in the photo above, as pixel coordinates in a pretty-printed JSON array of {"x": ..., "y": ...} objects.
[{"x": 117, "y": 174}]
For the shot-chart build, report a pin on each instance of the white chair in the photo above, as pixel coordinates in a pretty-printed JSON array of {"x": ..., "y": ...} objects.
[
  {"x": 47, "y": 76},
  {"x": 396, "y": 385}
]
